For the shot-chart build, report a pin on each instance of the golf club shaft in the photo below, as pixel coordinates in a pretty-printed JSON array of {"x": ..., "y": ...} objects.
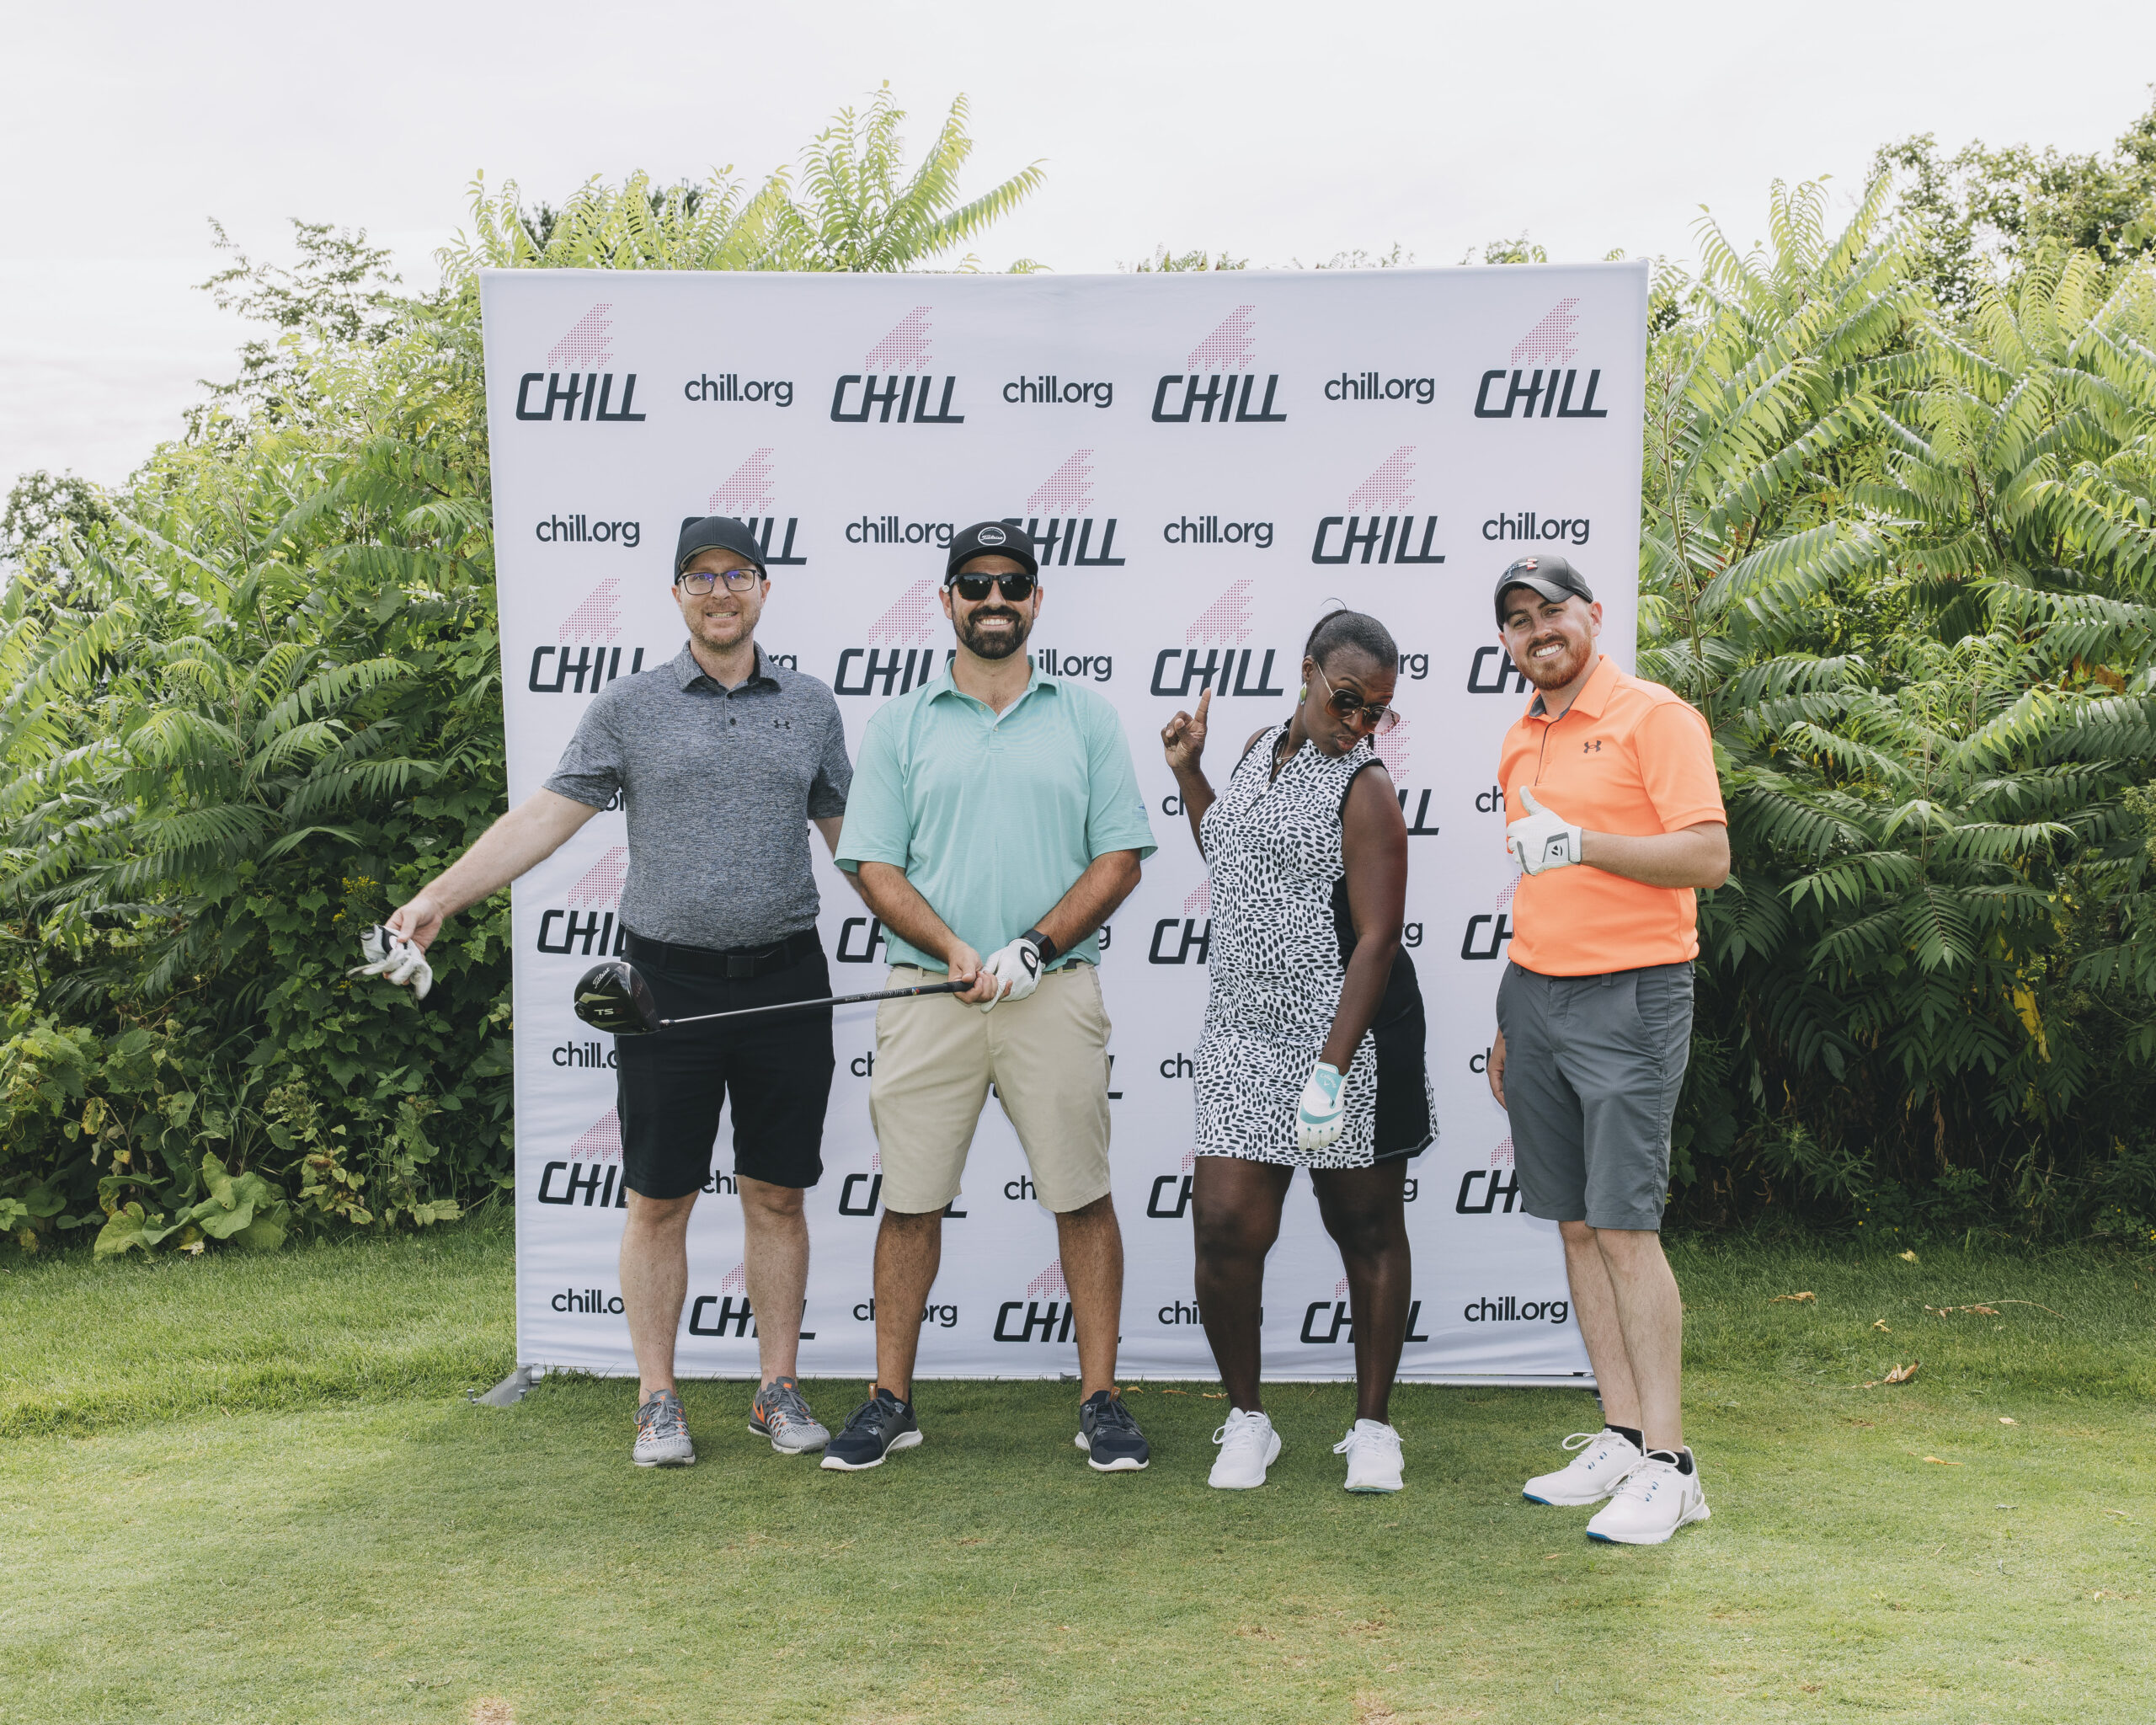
[{"x": 838, "y": 1000}]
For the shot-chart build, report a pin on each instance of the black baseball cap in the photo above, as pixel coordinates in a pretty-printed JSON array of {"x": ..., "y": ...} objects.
[
  {"x": 992, "y": 539},
  {"x": 1552, "y": 577},
  {"x": 716, "y": 533}
]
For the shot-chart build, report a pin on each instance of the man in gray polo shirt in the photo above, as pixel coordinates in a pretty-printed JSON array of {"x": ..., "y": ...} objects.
[{"x": 722, "y": 760}]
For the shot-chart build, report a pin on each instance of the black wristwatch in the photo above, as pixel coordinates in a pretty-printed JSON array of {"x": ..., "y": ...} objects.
[{"x": 1041, "y": 943}]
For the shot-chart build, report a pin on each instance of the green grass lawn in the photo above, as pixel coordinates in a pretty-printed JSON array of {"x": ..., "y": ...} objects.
[{"x": 252, "y": 1489}]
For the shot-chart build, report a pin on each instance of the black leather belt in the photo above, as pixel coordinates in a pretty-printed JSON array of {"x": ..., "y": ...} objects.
[{"x": 736, "y": 962}]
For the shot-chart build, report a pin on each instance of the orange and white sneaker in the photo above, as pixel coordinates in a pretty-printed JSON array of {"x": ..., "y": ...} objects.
[
  {"x": 781, "y": 1414},
  {"x": 663, "y": 1433}
]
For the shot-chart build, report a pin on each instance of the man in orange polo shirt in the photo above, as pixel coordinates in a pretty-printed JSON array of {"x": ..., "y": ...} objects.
[{"x": 1615, "y": 818}]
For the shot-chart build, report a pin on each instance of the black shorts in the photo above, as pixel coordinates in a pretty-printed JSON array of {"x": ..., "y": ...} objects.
[
  {"x": 1404, "y": 1127},
  {"x": 776, "y": 1073}
]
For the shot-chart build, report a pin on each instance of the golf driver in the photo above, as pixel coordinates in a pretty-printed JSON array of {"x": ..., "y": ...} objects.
[{"x": 613, "y": 997}]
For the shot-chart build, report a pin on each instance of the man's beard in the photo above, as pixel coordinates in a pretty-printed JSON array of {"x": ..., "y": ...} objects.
[
  {"x": 998, "y": 646},
  {"x": 1555, "y": 673}
]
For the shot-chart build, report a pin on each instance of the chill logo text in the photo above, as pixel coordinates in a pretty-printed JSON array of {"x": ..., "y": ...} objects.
[
  {"x": 1225, "y": 665},
  {"x": 748, "y": 494},
  {"x": 1328, "y": 1322},
  {"x": 1064, "y": 502},
  {"x": 902, "y": 653},
  {"x": 1380, "y": 526},
  {"x": 592, "y": 630},
  {"x": 585, "y": 925},
  {"x": 1218, "y": 385},
  {"x": 593, "y": 393},
  {"x": 894, "y": 385},
  {"x": 591, "y": 1175},
  {"x": 1538, "y": 384},
  {"x": 1037, "y": 1318}
]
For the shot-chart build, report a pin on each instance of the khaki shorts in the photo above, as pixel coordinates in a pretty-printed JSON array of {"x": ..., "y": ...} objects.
[{"x": 1047, "y": 1056}]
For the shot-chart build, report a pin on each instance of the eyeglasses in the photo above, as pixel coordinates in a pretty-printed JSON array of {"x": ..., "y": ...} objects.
[
  {"x": 700, "y": 582},
  {"x": 1378, "y": 720},
  {"x": 973, "y": 588}
]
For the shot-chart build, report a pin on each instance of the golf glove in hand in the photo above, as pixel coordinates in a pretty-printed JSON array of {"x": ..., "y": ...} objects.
[
  {"x": 1019, "y": 965},
  {"x": 395, "y": 959},
  {"x": 1542, "y": 839},
  {"x": 1321, "y": 1114}
]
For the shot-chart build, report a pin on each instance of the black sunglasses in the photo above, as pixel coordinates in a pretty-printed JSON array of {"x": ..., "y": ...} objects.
[
  {"x": 973, "y": 588},
  {"x": 1377, "y": 720}
]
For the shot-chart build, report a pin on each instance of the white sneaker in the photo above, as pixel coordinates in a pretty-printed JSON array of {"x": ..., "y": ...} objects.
[
  {"x": 1372, "y": 1453},
  {"x": 1603, "y": 1461},
  {"x": 1653, "y": 1501},
  {"x": 1248, "y": 1446}
]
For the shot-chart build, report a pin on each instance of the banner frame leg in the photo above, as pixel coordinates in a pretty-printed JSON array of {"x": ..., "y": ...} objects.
[{"x": 509, "y": 1391}]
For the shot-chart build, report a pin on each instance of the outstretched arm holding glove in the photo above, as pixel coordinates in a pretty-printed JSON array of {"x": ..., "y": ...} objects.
[{"x": 1542, "y": 839}]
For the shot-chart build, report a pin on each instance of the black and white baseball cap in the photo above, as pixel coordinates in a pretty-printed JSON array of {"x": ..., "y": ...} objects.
[
  {"x": 992, "y": 539},
  {"x": 716, "y": 533},
  {"x": 1552, "y": 577}
]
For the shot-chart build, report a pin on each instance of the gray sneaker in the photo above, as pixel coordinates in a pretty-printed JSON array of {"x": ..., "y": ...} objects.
[
  {"x": 663, "y": 1433},
  {"x": 781, "y": 1415}
]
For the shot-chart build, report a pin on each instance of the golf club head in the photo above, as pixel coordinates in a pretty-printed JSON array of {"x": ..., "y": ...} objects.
[{"x": 614, "y": 998}]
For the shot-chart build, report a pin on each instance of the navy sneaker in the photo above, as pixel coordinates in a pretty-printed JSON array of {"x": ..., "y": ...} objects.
[
  {"x": 878, "y": 1426},
  {"x": 1109, "y": 1436}
]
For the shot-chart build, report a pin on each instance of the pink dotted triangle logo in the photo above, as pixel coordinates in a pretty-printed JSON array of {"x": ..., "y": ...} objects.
[
  {"x": 580, "y": 385},
  {"x": 1219, "y": 380},
  {"x": 750, "y": 494},
  {"x": 1044, "y": 1315},
  {"x": 586, "y": 926},
  {"x": 1059, "y": 519},
  {"x": 1379, "y": 526},
  {"x": 583, "y": 658},
  {"x": 1541, "y": 382},
  {"x": 600, "y": 1141},
  {"x": 914, "y": 616},
  {"x": 895, "y": 385},
  {"x": 1213, "y": 656},
  {"x": 588, "y": 1177},
  {"x": 599, "y": 886}
]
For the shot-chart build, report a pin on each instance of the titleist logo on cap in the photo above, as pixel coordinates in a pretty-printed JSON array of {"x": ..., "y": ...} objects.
[{"x": 991, "y": 535}]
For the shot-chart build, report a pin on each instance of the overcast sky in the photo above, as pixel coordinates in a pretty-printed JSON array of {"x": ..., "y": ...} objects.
[{"x": 1280, "y": 132}]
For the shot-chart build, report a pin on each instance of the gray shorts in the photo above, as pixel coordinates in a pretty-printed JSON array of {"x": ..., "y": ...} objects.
[{"x": 1593, "y": 1067}]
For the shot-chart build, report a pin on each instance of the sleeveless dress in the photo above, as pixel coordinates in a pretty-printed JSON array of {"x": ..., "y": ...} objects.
[{"x": 1282, "y": 937}]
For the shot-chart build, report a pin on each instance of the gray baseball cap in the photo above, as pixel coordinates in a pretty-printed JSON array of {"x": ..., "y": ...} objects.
[{"x": 1552, "y": 577}]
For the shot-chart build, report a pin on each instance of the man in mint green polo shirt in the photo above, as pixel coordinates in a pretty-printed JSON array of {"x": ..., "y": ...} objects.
[{"x": 994, "y": 811}]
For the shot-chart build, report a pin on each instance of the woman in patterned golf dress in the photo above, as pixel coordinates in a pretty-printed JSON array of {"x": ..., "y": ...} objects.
[{"x": 1312, "y": 1053}]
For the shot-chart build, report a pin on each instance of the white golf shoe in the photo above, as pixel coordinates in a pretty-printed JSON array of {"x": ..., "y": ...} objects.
[
  {"x": 1605, "y": 1459},
  {"x": 1248, "y": 1446},
  {"x": 1652, "y": 1502},
  {"x": 1372, "y": 1453}
]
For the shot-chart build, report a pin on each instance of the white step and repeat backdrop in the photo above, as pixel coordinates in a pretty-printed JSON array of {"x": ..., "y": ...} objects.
[{"x": 1206, "y": 462}]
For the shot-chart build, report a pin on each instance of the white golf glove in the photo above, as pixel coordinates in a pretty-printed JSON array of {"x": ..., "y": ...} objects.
[
  {"x": 395, "y": 959},
  {"x": 1542, "y": 839},
  {"x": 1018, "y": 966},
  {"x": 1321, "y": 1114}
]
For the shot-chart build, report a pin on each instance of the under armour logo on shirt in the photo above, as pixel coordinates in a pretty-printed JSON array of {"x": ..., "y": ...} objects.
[{"x": 1593, "y": 748}]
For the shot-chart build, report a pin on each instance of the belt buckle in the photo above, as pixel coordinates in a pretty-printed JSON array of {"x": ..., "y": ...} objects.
[{"x": 740, "y": 964}]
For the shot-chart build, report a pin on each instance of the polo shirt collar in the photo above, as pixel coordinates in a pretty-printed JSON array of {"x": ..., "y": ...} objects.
[
  {"x": 944, "y": 685},
  {"x": 1590, "y": 700},
  {"x": 687, "y": 672}
]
